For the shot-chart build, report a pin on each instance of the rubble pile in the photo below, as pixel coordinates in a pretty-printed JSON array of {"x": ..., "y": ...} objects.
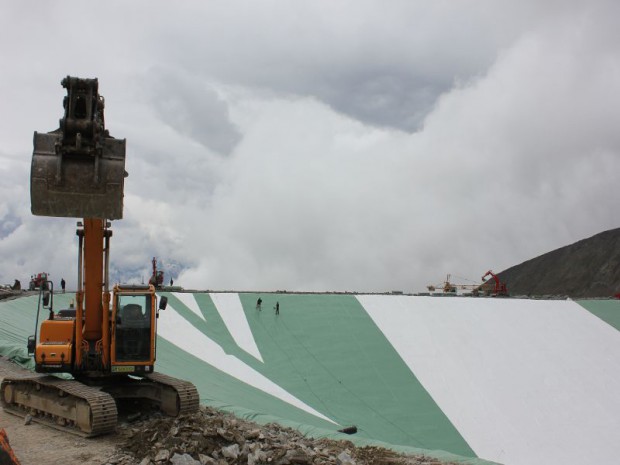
[
  {"x": 211, "y": 437},
  {"x": 6, "y": 292}
]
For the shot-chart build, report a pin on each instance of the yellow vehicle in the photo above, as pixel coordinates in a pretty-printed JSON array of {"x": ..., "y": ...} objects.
[{"x": 110, "y": 350}]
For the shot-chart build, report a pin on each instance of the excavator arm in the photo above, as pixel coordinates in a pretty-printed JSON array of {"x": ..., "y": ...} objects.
[{"x": 78, "y": 171}]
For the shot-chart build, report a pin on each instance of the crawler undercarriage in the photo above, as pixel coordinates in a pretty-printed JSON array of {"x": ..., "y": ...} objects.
[{"x": 91, "y": 410}]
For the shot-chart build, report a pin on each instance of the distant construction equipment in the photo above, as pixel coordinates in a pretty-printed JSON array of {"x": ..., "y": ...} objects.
[
  {"x": 38, "y": 281},
  {"x": 492, "y": 287},
  {"x": 499, "y": 288},
  {"x": 157, "y": 277},
  {"x": 449, "y": 288}
]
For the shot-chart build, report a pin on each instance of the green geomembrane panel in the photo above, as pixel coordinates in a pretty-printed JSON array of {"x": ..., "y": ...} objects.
[
  {"x": 327, "y": 351},
  {"x": 221, "y": 390},
  {"x": 606, "y": 310}
]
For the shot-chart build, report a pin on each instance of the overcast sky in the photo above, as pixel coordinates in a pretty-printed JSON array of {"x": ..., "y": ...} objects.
[{"x": 322, "y": 145}]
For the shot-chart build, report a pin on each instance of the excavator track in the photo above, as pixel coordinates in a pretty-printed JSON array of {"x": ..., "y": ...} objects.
[
  {"x": 84, "y": 410},
  {"x": 67, "y": 405},
  {"x": 179, "y": 396}
]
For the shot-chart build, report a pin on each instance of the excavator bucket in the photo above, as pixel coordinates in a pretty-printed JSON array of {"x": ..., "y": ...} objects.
[
  {"x": 68, "y": 185},
  {"x": 78, "y": 170}
]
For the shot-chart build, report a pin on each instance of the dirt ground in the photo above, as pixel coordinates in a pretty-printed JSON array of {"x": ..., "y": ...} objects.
[{"x": 36, "y": 444}]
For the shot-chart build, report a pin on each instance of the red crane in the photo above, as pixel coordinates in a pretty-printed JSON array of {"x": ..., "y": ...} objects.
[
  {"x": 499, "y": 287},
  {"x": 157, "y": 278}
]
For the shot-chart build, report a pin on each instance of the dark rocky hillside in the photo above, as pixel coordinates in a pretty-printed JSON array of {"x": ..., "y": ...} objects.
[{"x": 588, "y": 268}]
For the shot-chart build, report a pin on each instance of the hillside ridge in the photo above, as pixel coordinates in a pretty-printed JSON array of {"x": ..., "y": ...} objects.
[{"x": 588, "y": 268}]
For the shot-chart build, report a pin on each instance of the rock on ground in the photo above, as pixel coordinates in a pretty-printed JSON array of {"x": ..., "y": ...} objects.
[{"x": 212, "y": 437}]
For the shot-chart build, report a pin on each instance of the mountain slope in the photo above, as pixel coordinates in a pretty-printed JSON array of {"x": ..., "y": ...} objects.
[{"x": 588, "y": 268}]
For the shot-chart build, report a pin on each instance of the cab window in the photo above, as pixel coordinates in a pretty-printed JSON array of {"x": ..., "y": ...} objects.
[{"x": 133, "y": 328}]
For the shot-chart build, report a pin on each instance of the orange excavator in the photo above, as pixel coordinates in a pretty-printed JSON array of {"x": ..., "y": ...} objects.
[{"x": 107, "y": 341}]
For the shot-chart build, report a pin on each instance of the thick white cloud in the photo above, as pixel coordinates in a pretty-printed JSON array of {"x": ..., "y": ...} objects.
[{"x": 349, "y": 146}]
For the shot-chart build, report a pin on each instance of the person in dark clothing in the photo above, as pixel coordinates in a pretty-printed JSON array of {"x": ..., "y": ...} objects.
[
  {"x": 62, "y": 285},
  {"x": 277, "y": 308},
  {"x": 258, "y": 304},
  {"x": 171, "y": 282}
]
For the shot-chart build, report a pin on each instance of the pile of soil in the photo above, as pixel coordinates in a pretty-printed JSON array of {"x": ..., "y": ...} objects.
[{"x": 588, "y": 268}]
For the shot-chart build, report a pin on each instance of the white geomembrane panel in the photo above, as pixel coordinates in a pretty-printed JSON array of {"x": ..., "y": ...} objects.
[
  {"x": 524, "y": 381},
  {"x": 230, "y": 309},
  {"x": 189, "y": 300}
]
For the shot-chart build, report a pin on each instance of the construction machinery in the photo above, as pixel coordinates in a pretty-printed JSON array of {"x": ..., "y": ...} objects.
[
  {"x": 107, "y": 341},
  {"x": 38, "y": 281},
  {"x": 447, "y": 287},
  {"x": 488, "y": 288},
  {"x": 7, "y": 456},
  {"x": 450, "y": 288},
  {"x": 157, "y": 276},
  {"x": 495, "y": 289}
]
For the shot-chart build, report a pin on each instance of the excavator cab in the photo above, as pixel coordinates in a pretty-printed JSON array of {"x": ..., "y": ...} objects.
[
  {"x": 133, "y": 340},
  {"x": 78, "y": 170},
  {"x": 133, "y": 344}
]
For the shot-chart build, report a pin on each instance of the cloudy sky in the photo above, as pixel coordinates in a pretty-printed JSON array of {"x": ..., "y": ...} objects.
[{"x": 322, "y": 145}]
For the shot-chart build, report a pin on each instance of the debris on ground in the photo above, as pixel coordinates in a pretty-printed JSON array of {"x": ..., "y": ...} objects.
[{"x": 212, "y": 437}]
